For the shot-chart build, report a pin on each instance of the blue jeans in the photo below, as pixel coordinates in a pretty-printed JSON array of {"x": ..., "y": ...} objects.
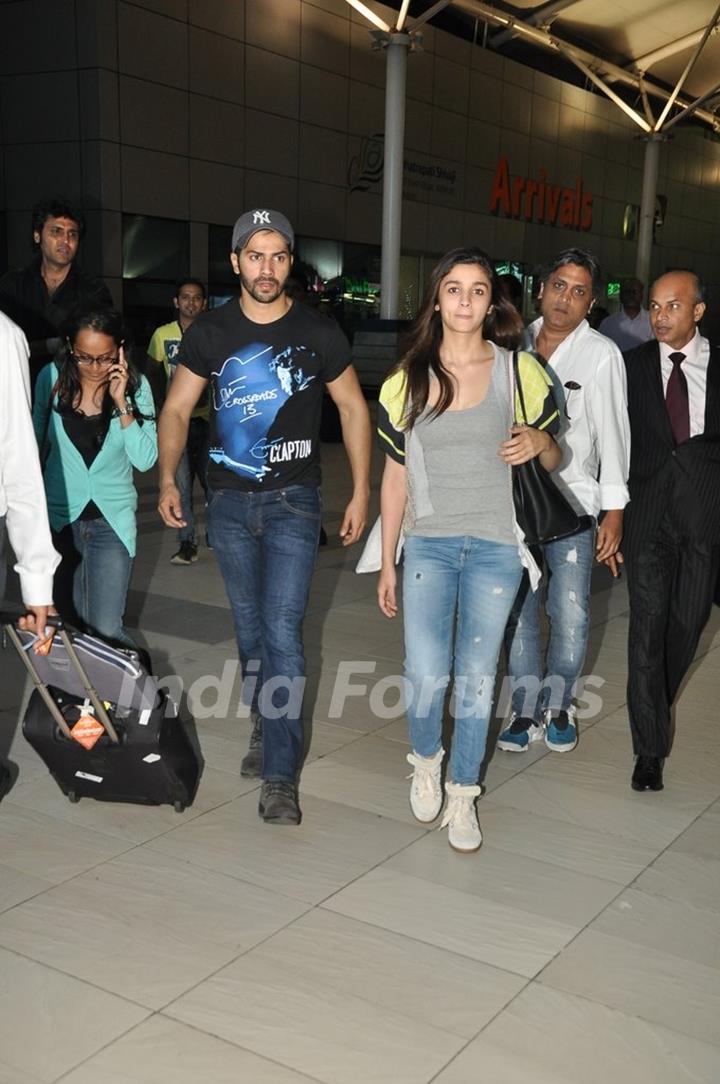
[
  {"x": 192, "y": 465},
  {"x": 266, "y": 544},
  {"x": 536, "y": 687},
  {"x": 457, "y": 595},
  {"x": 101, "y": 579}
]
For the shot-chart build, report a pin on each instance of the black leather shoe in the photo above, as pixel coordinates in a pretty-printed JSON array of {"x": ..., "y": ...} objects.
[
  {"x": 647, "y": 774},
  {"x": 278, "y": 802}
]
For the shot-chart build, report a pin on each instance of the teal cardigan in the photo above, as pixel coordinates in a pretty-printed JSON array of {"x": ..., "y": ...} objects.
[{"x": 70, "y": 484}]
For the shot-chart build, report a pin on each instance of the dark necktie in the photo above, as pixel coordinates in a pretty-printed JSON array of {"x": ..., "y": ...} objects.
[{"x": 676, "y": 397}]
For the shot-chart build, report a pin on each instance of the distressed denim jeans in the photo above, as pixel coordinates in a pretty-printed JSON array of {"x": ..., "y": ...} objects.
[
  {"x": 457, "y": 595},
  {"x": 266, "y": 545},
  {"x": 568, "y": 563}
]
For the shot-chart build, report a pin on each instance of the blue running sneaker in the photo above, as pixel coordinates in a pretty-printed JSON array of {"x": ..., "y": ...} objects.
[
  {"x": 520, "y": 734},
  {"x": 560, "y": 732}
]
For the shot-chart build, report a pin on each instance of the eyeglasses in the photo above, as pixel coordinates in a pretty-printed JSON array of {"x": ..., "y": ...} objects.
[{"x": 87, "y": 359}]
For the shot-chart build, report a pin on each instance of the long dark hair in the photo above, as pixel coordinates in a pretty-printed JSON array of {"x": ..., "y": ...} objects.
[
  {"x": 503, "y": 325},
  {"x": 68, "y": 386}
]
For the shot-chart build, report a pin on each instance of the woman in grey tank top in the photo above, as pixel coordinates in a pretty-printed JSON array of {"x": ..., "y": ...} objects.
[{"x": 445, "y": 424}]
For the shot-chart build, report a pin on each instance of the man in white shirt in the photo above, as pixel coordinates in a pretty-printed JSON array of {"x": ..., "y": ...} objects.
[
  {"x": 595, "y": 440},
  {"x": 630, "y": 325},
  {"x": 22, "y": 495},
  {"x": 672, "y": 539}
]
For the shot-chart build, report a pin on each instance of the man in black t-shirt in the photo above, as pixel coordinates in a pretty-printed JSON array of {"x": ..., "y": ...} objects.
[{"x": 267, "y": 360}]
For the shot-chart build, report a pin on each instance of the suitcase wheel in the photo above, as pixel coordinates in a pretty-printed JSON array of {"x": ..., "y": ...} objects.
[
  {"x": 179, "y": 806},
  {"x": 73, "y": 797}
]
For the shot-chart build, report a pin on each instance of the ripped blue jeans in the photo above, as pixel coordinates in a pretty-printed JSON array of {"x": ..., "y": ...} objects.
[
  {"x": 457, "y": 595},
  {"x": 536, "y": 687}
]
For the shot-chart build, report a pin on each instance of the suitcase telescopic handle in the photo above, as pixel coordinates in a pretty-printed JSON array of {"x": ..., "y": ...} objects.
[
  {"x": 38, "y": 682},
  {"x": 42, "y": 688}
]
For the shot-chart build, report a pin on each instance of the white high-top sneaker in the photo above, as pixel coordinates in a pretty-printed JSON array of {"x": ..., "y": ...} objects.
[
  {"x": 426, "y": 796},
  {"x": 460, "y": 817}
]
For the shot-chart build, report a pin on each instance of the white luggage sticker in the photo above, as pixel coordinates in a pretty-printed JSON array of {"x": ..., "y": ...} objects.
[{"x": 92, "y": 778}]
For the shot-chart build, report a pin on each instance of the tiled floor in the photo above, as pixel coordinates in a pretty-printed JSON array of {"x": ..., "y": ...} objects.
[{"x": 581, "y": 944}]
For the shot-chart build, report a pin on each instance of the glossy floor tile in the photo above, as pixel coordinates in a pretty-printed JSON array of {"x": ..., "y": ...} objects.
[
  {"x": 49, "y": 1022},
  {"x": 561, "y": 841},
  {"x": 112, "y": 926},
  {"x": 453, "y": 919},
  {"x": 532, "y": 886},
  {"x": 16, "y": 887},
  {"x": 549, "y": 1037},
  {"x": 647, "y": 955},
  {"x": 49, "y": 848},
  {"x": 160, "y": 1051},
  {"x": 268, "y": 1006},
  {"x": 598, "y": 796},
  {"x": 334, "y": 845}
]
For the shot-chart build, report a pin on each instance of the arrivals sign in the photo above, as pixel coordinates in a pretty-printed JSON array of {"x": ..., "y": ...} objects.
[{"x": 539, "y": 200}]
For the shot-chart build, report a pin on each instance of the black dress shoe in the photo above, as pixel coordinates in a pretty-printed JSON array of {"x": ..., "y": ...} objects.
[{"x": 647, "y": 774}]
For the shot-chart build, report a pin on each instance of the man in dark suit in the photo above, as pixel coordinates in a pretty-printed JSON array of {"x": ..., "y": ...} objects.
[{"x": 672, "y": 524}]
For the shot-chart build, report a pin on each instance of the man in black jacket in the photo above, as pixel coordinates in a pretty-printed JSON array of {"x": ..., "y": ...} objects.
[
  {"x": 672, "y": 524},
  {"x": 40, "y": 296}
]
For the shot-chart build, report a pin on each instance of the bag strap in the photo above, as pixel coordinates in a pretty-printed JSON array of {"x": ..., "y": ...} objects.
[{"x": 518, "y": 385}]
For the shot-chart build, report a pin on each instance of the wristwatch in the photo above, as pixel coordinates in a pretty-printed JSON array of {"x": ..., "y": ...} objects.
[{"x": 125, "y": 410}]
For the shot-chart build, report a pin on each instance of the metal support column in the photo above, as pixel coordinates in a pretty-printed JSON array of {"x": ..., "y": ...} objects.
[
  {"x": 647, "y": 207},
  {"x": 397, "y": 48}
]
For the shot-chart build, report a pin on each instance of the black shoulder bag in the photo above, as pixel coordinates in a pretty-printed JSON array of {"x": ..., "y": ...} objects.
[{"x": 542, "y": 511}]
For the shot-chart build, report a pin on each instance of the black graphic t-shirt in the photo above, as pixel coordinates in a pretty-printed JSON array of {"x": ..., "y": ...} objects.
[{"x": 266, "y": 389}]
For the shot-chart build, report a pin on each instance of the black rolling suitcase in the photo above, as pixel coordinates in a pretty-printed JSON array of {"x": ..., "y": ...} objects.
[{"x": 103, "y": 725}]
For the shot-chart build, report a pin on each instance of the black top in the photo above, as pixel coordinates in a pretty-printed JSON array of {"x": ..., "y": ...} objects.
[
  {"x": 87, "y": 432},
  {"x": 25, "y": 299},
  {"x": 266, "y": 390}
]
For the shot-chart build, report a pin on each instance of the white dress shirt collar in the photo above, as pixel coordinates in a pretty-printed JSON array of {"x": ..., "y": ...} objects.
[{"x": 691, "y": 350}]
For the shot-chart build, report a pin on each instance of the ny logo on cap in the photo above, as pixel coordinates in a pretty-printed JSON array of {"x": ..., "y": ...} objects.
[{"x": 261, "y": 218}]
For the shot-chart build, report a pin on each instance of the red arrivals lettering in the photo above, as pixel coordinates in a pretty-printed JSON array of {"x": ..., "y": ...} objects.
[{"x": 539, "y": 200}]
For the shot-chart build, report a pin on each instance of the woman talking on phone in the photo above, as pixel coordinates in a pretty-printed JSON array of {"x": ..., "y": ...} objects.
[
  {"x": 446, "y": 425},
  {"x": 94, "y": 420}
]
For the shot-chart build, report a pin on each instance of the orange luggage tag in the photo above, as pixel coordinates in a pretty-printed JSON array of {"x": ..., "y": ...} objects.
[{"x": 87, "y": 730}]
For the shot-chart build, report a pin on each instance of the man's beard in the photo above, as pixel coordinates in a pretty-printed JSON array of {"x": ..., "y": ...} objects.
[{"x": 263, "y": 297}]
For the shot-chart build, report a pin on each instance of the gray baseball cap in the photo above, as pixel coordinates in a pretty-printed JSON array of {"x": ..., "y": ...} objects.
[{"x": 261, "y": 219}]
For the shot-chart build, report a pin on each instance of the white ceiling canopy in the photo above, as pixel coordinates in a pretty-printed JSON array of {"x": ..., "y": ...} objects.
[{"x": 644, "y": 52}]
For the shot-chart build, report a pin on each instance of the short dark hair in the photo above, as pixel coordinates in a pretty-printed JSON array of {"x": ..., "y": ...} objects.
[
  {"x": 582, "y": 258},
  {"x": 189, "y": 282},
  {"x": 699, "y": 284},
  {"x": 55, "y": 207}
]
